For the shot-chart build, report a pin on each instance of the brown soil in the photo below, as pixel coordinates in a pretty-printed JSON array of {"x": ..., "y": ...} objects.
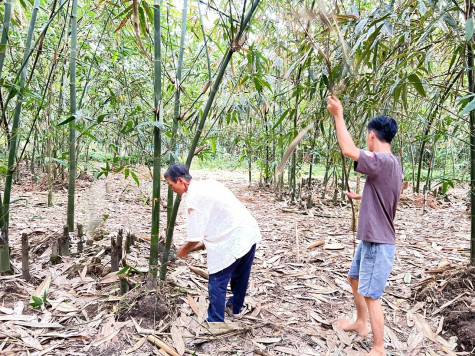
[
  {"x": 147, "y": 308},
  {"x": 459, "y": 287}
]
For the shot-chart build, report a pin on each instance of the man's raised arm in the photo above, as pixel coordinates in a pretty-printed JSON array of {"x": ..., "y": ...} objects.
[{"x": 348, "y": 147}]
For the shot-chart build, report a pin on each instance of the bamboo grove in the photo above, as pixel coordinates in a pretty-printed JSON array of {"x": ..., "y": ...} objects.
[{"x": 156, "y": 82}]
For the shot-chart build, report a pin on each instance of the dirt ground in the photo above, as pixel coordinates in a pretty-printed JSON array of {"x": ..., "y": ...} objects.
[{"x": 297, "y": 289}]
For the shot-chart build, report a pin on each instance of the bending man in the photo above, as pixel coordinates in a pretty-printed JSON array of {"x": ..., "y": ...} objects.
[
  {"x": 229, "y": 232},
  {"x": 374, "y": 256}
]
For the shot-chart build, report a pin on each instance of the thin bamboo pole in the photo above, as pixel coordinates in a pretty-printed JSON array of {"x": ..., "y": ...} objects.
[
  {"x": 157, "y": 140},
  {"x": 176, "y": 112},
  {"x": 471, "y": 89},
  {"x": 72, "y": 124},
  {"x": 7, "y": 14},
  {"x": 5, "y": 207}
]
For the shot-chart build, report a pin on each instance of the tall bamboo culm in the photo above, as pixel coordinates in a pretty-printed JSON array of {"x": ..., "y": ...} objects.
[
  {"x": 72, "y": 124},
  {"x": 5, "y": 207},
  {"x": 471, "y": 89},
  {"x": 4, "y": 248},
  {"x": 214, "y": 89},
  {"x": 176, "y": 112},
  {"x": 7, "y": 14},
  {"x": 157, "y": 144}
]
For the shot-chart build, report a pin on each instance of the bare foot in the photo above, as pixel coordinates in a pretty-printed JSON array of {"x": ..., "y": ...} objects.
[
  {"x": 376, "y": 352},
  {"x": 360, "y": 327}
]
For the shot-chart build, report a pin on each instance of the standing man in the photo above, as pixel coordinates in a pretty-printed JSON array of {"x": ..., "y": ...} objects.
[
  {"x": 374, "y": 256},
  {"x": 229, "y": 232}
]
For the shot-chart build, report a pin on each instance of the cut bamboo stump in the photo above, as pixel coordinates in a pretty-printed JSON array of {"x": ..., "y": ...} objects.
[
  {"x": 25, "y": 261},
  {"x": 80, "y": 235},
  {"x": 114, "y": 256},
  {"x": 4, "y": 251},
  {"x": 129, "y": 241},
  {"x": 120, "y": 238},
  {"x": 64, "y": 242},
  {"x": 55, "y": 258},
  {"x": 124, "y": 285}
]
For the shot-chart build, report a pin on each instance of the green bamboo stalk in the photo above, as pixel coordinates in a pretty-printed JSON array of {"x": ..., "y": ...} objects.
[
  {"x": 206, "y": 42},
  {"x": 176, "y": 112},
  {"x": 209, "y": 102},
  {"x": 157, "y": 140},
  {"x": 4, "y": 213},
  {"x": 471, "y": 88},
  {"x": 72, "y": 124},
  {"x": 7, "y": 14}
]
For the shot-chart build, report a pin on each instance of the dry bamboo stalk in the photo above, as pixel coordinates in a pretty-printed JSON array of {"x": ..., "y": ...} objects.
[
  {"x": 80, "y": 235},
  {"x": 120, "y": 238},
  {"x": 114, "y": 256},
  {"x": 297, "y": 242},
  {"x": 316, "y": 244},
  {"x": 156, "y": 341},
  {"x": 64, "y": 242},
  {"x": 25, "y": 262},
  {"x": 128, "y": 242},
  {"x": 54, "y": 253}
]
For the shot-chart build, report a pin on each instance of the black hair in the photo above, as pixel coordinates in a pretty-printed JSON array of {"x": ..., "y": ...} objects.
[
  {"x": 384, "y": 127},
  {"x": 177, "y": 170}
]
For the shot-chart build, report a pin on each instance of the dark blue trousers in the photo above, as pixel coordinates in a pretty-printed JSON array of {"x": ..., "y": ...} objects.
[{"x": 238, "y": 273}]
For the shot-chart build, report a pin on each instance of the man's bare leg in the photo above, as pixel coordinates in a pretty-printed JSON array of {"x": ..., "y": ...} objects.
[
  {"x": 361, "y": 311},
  {"x": 376, "y": 319}
]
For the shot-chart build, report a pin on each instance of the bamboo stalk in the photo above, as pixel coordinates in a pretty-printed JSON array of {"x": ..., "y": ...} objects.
[
  {"x": 297, "y": 241},
  {"x": 25, "y": 261},
  {"x": 64, "y": 242},
  {"x": 124, "y": 285},
  {"x": 72, "y": 124},
  {"x": 4, "y": 218},
  {"x": 219, "y": 77},
  {"x": 54, "y": 253},
  {"x": 7, "y": 14},
  {"x": 120, "y": 238},
  {"x": 157, "y": 141},
  {"x": 471, "y": 88},
  {"x": 114, "y": 256},
  {"x": 80, "y": 229},
  {"x": 176, "y": 112}
]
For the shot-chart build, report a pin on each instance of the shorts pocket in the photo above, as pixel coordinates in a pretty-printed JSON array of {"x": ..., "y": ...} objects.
[{"x": 370, "y": 250}]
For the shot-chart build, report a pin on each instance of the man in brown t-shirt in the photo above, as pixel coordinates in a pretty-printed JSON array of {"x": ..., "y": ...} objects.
[{"x": 374, "y": 257}]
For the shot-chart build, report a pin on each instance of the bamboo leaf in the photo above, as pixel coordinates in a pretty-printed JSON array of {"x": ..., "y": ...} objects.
[
  {"x": 417, "y": 84},
  {"x": 469, "y": 29},
  {"x": 470, "y": 106},
  {"x": 281, "y": 118},
  {"x": 134, "y": 176},
  {"x": 212, "y": 143},
  {"x": 69, "y": 119}
]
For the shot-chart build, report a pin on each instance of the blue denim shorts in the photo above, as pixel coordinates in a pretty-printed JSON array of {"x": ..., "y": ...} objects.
[{"x": 371, "y": 266}]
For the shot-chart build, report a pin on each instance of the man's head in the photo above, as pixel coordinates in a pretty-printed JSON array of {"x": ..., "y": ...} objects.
[
  {"x": 381, "y": 128},
  {"x": 178, "y": 176}
]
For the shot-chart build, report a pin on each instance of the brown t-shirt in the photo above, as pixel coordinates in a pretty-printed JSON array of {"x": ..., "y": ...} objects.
[{"x": 380, "y": 196}]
